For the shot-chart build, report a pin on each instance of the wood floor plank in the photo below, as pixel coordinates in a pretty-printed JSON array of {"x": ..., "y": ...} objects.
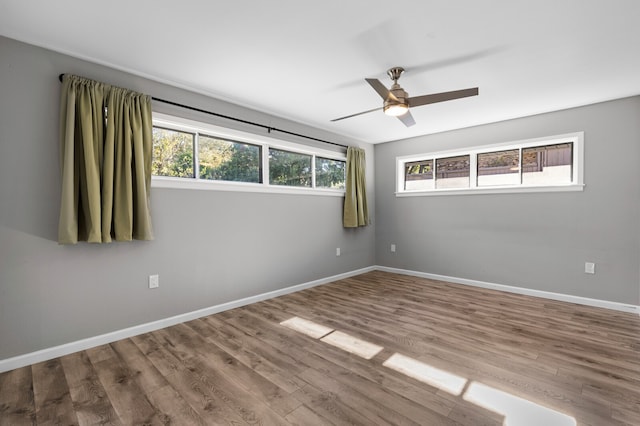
[
  {"x": 252, "y": 409},
  {"x": 142, "y": 370},
  {"x": 176, "y": 411},
  {"x": 226, "y": 367},
  {"x": 471, "y": 415},
  {"x": 303, "y": 416},
  {"x": 17, "y": 405},
  {"x": 274, "y": 365},
  {"x": 173, "y": 408},
  {"x": 243, "y": 367},
  {"x": 90, "y": 400},
  {"x": 164, "y": 362},
  {"x": 209, "y": 407},
  {"x": 51, "y": 394},
  {"x": 127, "y": 398},
  {"x": 329, "y": 406}
]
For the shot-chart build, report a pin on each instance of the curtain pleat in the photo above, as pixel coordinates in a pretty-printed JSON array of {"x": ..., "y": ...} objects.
[
  {"x": 105, "y": 135},
  {"x": 356, "y": 212}
]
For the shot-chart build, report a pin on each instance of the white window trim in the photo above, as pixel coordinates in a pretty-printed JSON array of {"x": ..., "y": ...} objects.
[
  {"x": 265, "y": 142},
  {"x": 577, "y": 183}
]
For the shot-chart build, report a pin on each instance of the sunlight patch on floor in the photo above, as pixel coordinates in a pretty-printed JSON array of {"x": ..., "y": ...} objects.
[
  {"x": 426, "y": 373},
  {"x": 307, "y": 327},
  {"x": 351, "y": 344},
  {"x": 517, "y": 411}
]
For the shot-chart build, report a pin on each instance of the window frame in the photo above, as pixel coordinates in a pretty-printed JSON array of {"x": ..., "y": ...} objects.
[
  {"x": 171, "y": 122},
  {"x": 576, "y": 184}
]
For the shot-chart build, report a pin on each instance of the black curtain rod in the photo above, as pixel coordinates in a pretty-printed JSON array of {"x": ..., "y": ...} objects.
[{"x": 239, "y": 120}]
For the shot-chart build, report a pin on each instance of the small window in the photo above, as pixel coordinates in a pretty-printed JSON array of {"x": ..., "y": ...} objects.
[
  {"x": 453, "y": 172},
  {"x": 289, "y": 168},
  {"x": 330, "y": 173},
  {"x": 172, "y": 153},
  {"x": 499, "y": 168},
  {"x": 535, "y": 165},
  {"x": 220, "y": 159}
]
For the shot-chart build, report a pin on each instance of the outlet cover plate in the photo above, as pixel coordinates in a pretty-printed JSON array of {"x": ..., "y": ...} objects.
[
  {"x": 589, "y": 268},
  {"x": 154, "y": 281}
]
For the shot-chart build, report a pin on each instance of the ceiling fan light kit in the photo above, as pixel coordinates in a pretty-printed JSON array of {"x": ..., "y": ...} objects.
[
  {"x": 396, "y": 101},
  {"x": 395, "y": 110}
]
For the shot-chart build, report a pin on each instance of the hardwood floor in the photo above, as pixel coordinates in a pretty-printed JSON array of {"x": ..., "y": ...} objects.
[{"x": 475, "y": 357}]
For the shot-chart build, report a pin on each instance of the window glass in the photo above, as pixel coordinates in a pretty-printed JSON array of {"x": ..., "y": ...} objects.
[
  {"x": 172, "y": 153},
  {"x": 453, "y": 172},
  {"x": 550, "y": 164},
  {"x": 499, "y": 168},
  {"x": 418, "y": 175},
  {"x": 289, "y": 168},
  {"x": 221, "y": 159},
  {"x": 330, "y": 173}
]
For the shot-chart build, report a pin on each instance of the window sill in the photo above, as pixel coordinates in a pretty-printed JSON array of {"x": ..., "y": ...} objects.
[
  {"x": 207, "y": 185},
  {"x": 491, "y": 190}
]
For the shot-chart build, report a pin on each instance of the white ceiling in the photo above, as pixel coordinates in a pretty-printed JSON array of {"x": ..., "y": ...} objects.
[{"x": 306, "y": 61}]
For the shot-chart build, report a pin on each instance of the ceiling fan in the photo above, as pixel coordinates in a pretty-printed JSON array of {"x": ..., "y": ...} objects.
[{"x": 397, "y": 101}]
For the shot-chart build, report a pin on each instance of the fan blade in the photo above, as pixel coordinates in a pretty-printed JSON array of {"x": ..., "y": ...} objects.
[
  {"x": 441, "y": 97},
  {"x": 407, "y": 119},
  {"x": 381, "y": 89},
  {"x": 356, "y": 114}
]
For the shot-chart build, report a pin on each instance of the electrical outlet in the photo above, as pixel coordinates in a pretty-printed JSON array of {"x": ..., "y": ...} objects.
[
  {"x": 337, "y": 251},
  {"x": 393, "y": 248},
  {"x": 589, "y": 268},
  {"x": 154, "y": 281}
]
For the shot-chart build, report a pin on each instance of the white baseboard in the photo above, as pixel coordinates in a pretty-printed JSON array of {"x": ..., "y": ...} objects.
[
  {"x": 80, "y": 345},
  {"x": 520, "y": 290}
]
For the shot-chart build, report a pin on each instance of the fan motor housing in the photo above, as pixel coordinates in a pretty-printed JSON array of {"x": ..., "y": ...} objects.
[{"x": 400, "y": 94}]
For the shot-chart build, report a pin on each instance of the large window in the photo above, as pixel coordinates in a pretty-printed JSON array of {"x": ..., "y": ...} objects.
[
  {"x": 188, "y": 154},
  {"x": 546, "y": 164}
]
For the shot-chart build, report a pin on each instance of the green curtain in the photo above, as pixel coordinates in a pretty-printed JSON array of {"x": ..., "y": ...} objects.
[
  {"x": 356, "y": 212},
  {"x": 105, "y": 159}
]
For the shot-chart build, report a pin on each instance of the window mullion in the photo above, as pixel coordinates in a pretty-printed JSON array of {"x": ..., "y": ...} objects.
[
  {"x": 265, "y": 165},
  {"x": 313, "y": 171},
  {"x": 435, "y": 172},
  {"x": 473, "y": 170},
  {"x": 520, "y": 163},
  {"x": 196, "y": 157}
]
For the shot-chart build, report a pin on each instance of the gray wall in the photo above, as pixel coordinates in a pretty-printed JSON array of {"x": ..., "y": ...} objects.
[
  {"x": 211, "y": 247},
  {"x": 534, "y": 240}
]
